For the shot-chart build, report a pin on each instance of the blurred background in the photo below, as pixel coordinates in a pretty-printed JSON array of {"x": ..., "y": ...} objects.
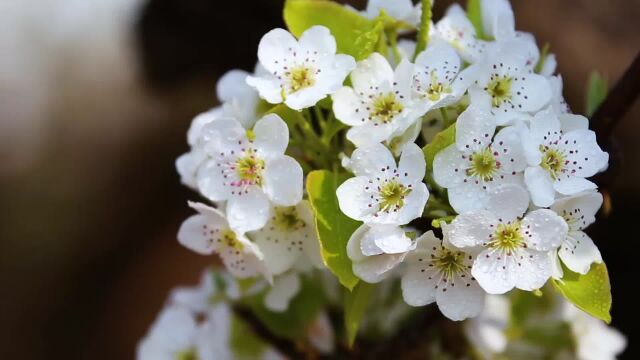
[{"x": 95, "y": 100}]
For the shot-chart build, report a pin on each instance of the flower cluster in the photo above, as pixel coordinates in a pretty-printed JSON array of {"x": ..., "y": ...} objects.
[{"x": 466, "y": 128}]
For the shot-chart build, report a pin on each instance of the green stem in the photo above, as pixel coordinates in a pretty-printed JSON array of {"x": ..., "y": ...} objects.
[
  {"x": 423, "y": 31},
  {"x": 392, "y": 35}
]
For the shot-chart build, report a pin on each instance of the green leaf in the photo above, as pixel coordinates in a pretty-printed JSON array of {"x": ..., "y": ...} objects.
[
  {"x": 355, "y": 304},
  {"x": 334, "y": 228},
  {"x": 293, "y": 323},
  {"x": 423, "y": 31},
  {"x": 590, "y": 293},
  {"x": 355, "y": 35},
  {"x": 443, "y": 139},
  {"x": 597, "y": 90},
  {"x": 474, "y": 13}
]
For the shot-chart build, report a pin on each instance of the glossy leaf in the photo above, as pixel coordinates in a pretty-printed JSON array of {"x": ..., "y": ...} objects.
[
  {"x": 355, "y": 305},
  {"x": 590, "y": 293},
  {"x": 443, "y": 139}
]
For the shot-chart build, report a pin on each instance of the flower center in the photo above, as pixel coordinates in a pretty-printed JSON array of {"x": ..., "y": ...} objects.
[
  {"x": 436, "y": 88},
  {"x": 500, "y": 90},
  {"x": 300, "y": 77},
  {"x": 385, "y": 108},
  {"x": 483, "y": 164},
  {"x": 393, "y": 194},
  {"x": 189, "y": 354},
  {"x": 552, "y": 161},
  {"x": 249, "y": 169},
  {"x": 230, "y": 241},
  {"x": 287, "y": 219},
  {"x": 507, "y": 237},
  {"x": 449, "y": 262}
]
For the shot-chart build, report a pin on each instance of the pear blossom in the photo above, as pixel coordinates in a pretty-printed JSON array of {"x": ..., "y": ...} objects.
[
  {"x": 437, "y": 79},
  {"x": 486, "y": 332},
  {"x": 593, "y": 338},
  {"x": 456, "y": 29},
  {"x": 557, "y": 103},
  {"x": 176, "y": 334},
  {"x": 376, "y": 250},
  {"x": 383, "y": 192},
  {"x": 300, "y": 72},
  {"x": 239, "y": 100},
  {"x": 514, "y": 246},
  {"x": 284, "y": 288},
  {"x": 477, "y": 163},
  {"x": 562, "y": 152},
  {"x": 379, "y": 104},
  {"x": 578, "y": 251},
  {"x": 436, "y": 271},
  {"x": 249, "y": 170},
  {"x": 507, "y": 84},
  {"x": 209, "y": 231},
  {"x": 289, "y": 236}
]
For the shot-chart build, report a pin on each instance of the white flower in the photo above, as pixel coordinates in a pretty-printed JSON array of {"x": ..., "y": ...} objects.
[
  {"x": 437, "y": 79},
  {"x": 561, "y": 152},
  {"x": 438, "y": 272},
  {"x": 248, "y": 169},
  {"x": 289, "y": 236},
  {"x": 379, "y": 105},
  {"x": 177, "y": 335},
  {"x": 578, "y": 251},
  {"x": 238, "y": 99},
  {"x": 476, "y": 163},
  {"x": 486, "y": 332},
  {"x": 507, "y": 84},
  {"x": 401, "y": 10},
  {"x": 382, "y": 192},
  {"x": 515, "y": 248},
  {"x": 456, "y": 29},
  {"x": 594, "y": 339},
  {"x": 301, "y": 72},
  {"x": 321, "y": 335},
  {"x": 196, "y": 299},
  {"x": 209, "y": 232},
  {"x": 557, "y": 103},
  {"x": 372, "y": 263}
]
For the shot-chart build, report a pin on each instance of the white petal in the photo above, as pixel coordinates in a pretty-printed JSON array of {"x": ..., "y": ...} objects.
[
  {"x": 556, "y": 268},
  {"x": 491, "y": 275},
  {"x": 508, "y": 145},
  {"x": 449, "y": 167},
  {"x": 371, "y": 160},
  {"x": 373, "y": 71},
  {"x": 570, "y": 122},
  {"x": 412, "y": 164},
  {"x": 460, "y": 301},
  {"x": 233, "y": 85},
  {"x": 389, "y": 239},
  {"x": 581, "y": 208},
  {"x": 187, "y": 166},
  {"x": 346, "y": 107},
  {"x": 245, "y": 262},
  {"x": 368, "y": 245},
  {"x": 249, "y": 211},
  {"x": 283, "y": 181},
  {"x": 540, "y": 186},
  {"x": 417, "y": 288},
  {"x": 272, "y": 135},
  {"x": 318, "y": 38},
  {"x": 369, "y": 134},
  {"x": 491, "y": 10},
  {"x": 275, "y": 47},
  {"x": 534, "y": 271},
  {"x": 374, "y": 269},
  {"x": 546, "y": 230},
  {"x": 579, "y": 252},
  {"x": 200, "y": 232},
  {"x": 468, "y": 196},
  {"x": 353, "y": 199},
  {"x": 549, "y": 66},
  {"x": 283, "y": 290},
  {"x": 354, "y": 250},
  {"x": 175, "y": 328},
  {"x": 508, "y": 201},
  {"x": 414, "y": 204},
  {"x": 572, "y": 185},
  {"x": 306, "y": 97},
  {"x": 268, "y": 87},
  {"x": 583, "y": 153},
  {"x": 530, "y": 92},
  {"x": 212, "y": 183},
  {"x": 397, "y": 9},
  {"x": 222, "y": 135},
  {"x": 194, "y": 134},
  {"x": 474, "y": 129},
  {"x": 471, "y": 229}
]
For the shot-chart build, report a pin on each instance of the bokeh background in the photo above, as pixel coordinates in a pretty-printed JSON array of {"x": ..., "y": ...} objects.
[{"x": 95, "y": 100}]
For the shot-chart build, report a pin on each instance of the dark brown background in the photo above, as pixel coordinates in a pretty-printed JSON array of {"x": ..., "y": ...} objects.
[{"x": 87, "y": 229}]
